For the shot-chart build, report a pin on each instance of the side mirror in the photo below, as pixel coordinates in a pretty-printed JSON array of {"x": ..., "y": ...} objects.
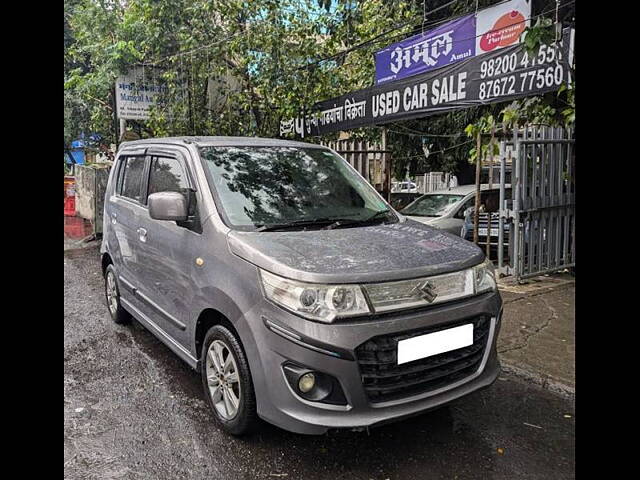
[{"x": 170, "y": 206}]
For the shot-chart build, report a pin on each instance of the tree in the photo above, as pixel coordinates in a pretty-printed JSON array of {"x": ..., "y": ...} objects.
[
  {"x": 270, "y": 47},
  {"x": 283, "y": 56}
]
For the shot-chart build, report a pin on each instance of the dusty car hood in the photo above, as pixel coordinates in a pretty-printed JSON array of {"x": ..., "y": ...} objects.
[
  {"x": 364, "y": 254},
  {"x": 425, "y": 220}
]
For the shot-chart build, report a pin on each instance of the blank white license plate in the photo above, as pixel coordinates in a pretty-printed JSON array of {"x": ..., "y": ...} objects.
[
  {"x": 434, "y": 343},
  {"x": 483, "y": 232}
]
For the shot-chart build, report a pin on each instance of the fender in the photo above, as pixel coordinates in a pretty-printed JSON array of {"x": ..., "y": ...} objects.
[{"x": 217, "y": 299}]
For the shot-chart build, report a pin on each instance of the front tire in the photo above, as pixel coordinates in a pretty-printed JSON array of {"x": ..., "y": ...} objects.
[
  {"x": 227, "y": 383},
  {"x": 112, "y": 293}
]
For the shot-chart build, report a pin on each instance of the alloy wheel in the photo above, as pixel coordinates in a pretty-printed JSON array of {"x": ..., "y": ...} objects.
[
  {"x": 223, "y": 379},
  {"x": 112, "y": 293}
]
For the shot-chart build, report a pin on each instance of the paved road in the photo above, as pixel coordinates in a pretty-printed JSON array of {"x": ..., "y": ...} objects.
[
  {"x": 538, "y": 331},
  {"x": 134, "y": 410}
]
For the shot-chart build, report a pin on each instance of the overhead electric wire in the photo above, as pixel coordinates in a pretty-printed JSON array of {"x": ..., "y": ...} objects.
[
  {"x": 187, "y": 52},
  {"x": 344, "y": 52},
  {"x": 437, "y": 151},
  {"x": 378, "y": 37}
]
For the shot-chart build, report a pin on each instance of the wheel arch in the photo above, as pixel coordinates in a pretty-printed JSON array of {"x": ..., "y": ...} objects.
[
  {"x": 106, "y": 261},
  {"x": 208, "y": 318}
]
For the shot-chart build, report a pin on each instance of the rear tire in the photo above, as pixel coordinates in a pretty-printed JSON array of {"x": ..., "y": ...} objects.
[
  {"x": 227, "y": 382},
  {"x": 112, "y": 293}
]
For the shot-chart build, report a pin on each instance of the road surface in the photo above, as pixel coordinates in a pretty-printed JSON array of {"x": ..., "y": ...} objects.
[{"x": 132, "y": 409}]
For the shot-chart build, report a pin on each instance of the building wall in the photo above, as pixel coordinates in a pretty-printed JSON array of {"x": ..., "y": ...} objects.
[
  {"x": 91, "y": 184},
  {"x": 85, "y": 192}
]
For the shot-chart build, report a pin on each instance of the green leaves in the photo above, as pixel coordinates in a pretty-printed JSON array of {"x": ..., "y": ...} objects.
[
  {"x": 485, "y": 125},
  {"x": 268, "y": 47},
  {"x": 568, "y": 113},
  {"x": 555, "y": 109},
  {"x": 125, "y": 52},
  {"x": 539, "y": 34}
]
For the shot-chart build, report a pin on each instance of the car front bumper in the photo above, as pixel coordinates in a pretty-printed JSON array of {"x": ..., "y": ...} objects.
[{"x": 331, "y": 348}]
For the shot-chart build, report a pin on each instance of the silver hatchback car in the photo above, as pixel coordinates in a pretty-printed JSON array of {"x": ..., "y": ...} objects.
[
  {"x": 276, "y": 271},
  {"x": 445, "y": 209}
]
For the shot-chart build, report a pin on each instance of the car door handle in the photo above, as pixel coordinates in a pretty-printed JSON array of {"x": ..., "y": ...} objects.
[{"x": 142, "y": 234}]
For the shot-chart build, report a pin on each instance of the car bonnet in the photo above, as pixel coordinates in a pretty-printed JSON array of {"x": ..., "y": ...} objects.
[{"x": 384, "y": 252}]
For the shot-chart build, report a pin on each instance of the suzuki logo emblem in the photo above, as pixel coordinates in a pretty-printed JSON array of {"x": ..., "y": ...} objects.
[{"x": 426, "y": 291}]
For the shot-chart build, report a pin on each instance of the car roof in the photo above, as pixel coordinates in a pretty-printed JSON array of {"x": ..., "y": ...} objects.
[
  {"x": 222, "y": 142},
  {"x": 466, "y": 189}
]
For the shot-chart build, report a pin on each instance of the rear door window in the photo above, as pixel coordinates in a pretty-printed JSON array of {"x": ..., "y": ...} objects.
[{"x": 131, "y": 178}]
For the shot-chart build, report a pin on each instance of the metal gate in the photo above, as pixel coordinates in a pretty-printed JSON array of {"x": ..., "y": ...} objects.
[
  {"x": 432, "y": 181},
  {"x": 541, "y": 211},
  {"x": 372, "y": 160}
]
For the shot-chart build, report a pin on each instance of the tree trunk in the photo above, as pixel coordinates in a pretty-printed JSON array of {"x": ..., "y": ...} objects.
[{"x": 476, "y": 213}]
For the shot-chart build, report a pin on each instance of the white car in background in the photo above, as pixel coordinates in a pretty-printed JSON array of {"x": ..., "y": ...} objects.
[
  {"x": 444, "y": 209},
  {"x": 404, "y": 187}
]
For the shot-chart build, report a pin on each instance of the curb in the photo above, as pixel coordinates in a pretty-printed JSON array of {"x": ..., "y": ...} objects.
[
  {"x": 75, "y": 250},
  {"x": 543, "y": 381},
  {"x": 533, "y": 292}
]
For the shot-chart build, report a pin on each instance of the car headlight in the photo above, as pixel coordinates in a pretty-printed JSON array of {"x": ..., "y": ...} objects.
[
  {"x": 317, "y": 302},
  {"x": 325, "y": 303},
  {"x": 484, "y": 276}
]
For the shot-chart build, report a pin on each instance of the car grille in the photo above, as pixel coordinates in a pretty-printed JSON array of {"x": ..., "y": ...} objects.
[{"x": 384, "y": 380}]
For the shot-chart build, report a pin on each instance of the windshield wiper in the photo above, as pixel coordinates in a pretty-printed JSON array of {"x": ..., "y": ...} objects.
[
  {"x": 330, "y": 223},
  {"x": 295, "y": 223},
  {"x": 347, "y": 222},
  {"x": 377, "y": 215}
]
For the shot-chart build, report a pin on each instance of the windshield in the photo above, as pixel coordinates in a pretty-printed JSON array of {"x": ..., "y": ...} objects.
[
  {"x": 433, "y": 205},
  {"x": 262, "y": 186}
]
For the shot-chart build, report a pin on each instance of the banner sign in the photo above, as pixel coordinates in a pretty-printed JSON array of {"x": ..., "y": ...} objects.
[
  {"x": 436, "y": 48},
  {"x": 501, "y": 75},
  {"x": 136, "y": 92},
  {"x": 501, "y": 25},
  {"x": 492, "y": 28}
]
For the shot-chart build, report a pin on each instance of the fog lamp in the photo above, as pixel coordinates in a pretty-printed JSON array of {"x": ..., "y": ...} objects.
[
  {"x": 307, "y": 382},
  {"x": 312, "y": 385}
]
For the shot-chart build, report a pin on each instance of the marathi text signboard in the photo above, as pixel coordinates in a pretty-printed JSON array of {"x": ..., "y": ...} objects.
[
  {"x": 436, "y": 48},
  {"x": 498, "y": 76},
  {"x": 489, "y": 29},
  {"x": 136, "y": 92}
]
